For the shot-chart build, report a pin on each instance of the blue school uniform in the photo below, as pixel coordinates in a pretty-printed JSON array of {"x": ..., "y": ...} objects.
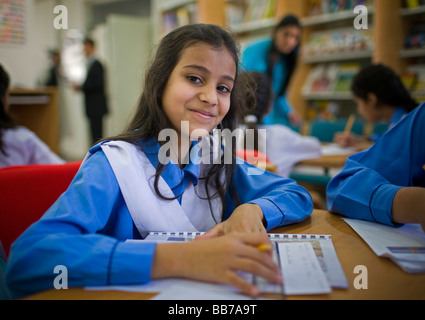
[
  {"x": 255, "y": 59},
  {"x": 399, "y": 113},
  {"x": 366, "y": 187},
  {"x": 85, "y": 230}
]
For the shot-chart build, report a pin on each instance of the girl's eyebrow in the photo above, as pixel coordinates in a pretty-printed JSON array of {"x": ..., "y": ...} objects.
[{"x": 202, "y": 68}]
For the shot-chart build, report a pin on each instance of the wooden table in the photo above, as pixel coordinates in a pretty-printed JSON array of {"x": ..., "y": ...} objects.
[
  {"x": 326, "y": 162},
  {"x": 385, "y": 279},
  {"x": 38, "y": 110}
]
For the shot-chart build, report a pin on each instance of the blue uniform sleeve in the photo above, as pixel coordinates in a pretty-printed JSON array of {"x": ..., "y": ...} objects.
[
  {"x": 83, "y": 231},
  {"x": 282, "y": 200},
  {"x": 366, "y": 187}
]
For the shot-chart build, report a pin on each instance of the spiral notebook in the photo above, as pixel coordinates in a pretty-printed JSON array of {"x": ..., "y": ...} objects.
[{"x": 308, "y": 262}]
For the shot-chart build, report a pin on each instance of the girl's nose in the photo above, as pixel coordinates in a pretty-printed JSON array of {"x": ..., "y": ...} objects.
[{"x": 209, "y": 95}]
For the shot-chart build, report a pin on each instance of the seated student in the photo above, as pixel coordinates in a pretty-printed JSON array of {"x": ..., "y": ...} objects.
[
  {"x": 125, "y": 187},
  {"x": 386, "y": 183},
  {"x": 283, "y": 146},
  {"x": 380, "y": 96},
  {"x": 19, "y": 145}
]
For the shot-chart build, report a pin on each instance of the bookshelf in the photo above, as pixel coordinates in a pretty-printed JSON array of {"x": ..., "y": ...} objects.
[
  {"x": 246, "y": 16},
  {"x": 389, "y": 24},
  {"x": 176, "y": 13},
  {"x": 412, "y": 52}
]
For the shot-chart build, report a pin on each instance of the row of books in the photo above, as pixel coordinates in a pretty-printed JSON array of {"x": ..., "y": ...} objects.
[
  {"x": 415, "y": 37},
  {"x": 179, "y": 17},
  {"x": 238, "y": 12},
  {"x": 328, "y": 110},
  {"x": 338, "y": 41},
  {"x": 319, "y": 7},
  {"x": 331, "y": 78},
  {"x": 413, "y": 3},
  {"x": 414, "y": 78}
]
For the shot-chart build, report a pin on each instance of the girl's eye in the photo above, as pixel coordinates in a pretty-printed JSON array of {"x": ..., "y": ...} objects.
[
  {"x": 194, "y": 79},
  {"x": 223, "y": 89}
]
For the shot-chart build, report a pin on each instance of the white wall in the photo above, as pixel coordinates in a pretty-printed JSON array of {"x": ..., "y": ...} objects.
[
  {"x": 23, "y": 62},
  {"x": 27, "y": 63}
]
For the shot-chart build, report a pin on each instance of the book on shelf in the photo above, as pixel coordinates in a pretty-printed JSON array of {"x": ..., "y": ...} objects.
[
  {"x": 259, "y": 10},
  {"x": 321, "y": 7},
  {"x": 330, "y": 79},
  {"x": 414, "y": 78},
  {"x": 338, "y": 41},
  {"x": 346, "y": 73},
  {"x": 235, "y": 12},
  {"x": 179, "y": 17},
  {"x": 413, "y": 3},
  {"x": 415, "y": 37}
]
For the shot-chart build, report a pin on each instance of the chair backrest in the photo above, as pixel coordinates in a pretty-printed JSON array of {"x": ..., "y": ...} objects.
[
  {"x": 26, "y": 192},
  {"x": 252, "y": 156},
  {"x": 325, "y": 130}
]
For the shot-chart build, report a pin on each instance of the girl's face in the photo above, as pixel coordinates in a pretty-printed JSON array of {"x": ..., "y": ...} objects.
[
  {"x": 367, "y": 108},
  {"x": 287, "y": 39},
  {"x": 199, "y": 88},
  {"x": 5, "y": 101}
]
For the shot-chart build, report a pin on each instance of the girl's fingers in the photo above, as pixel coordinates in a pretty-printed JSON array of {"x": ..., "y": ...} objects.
[
  {"x": 241, "y": 284},
  {"x": 213, "y": 233}
]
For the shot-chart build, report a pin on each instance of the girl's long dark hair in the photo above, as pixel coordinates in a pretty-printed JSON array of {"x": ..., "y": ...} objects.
[
  {"x": 257, "y": 99},
  {"x": 150, "y": 118},
  {"x": 291, "y": 58},
  {"x": 385, "y": 84},
  {"x": 6, "y": 121}
]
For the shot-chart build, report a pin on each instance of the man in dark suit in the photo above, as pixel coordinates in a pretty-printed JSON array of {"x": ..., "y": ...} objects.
[{"x": 94, "y": 91}]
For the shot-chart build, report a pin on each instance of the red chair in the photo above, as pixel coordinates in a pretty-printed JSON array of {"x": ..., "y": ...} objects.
[
  {"x": 257, "y": 158},
  {"x": 252, "y": 156},
  {"x": 26, "y": 192}
]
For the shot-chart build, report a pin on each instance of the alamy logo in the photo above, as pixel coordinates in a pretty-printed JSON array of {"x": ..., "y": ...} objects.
[
  {"x": 361, "y": 21},
  {"x": 218, "y": 148},
  {"x": 61, "y": 280},
  {"x": 61, "y": 20}
]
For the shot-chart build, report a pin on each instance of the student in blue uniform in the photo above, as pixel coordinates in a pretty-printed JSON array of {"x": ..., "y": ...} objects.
[
  {"x": 385, "y": 184},
  {"x": 381, "y": 97},
  {"x": 277, "y": 58},
  {"x": 150, "y": 178},
  {"x": 283, "y": 147}
]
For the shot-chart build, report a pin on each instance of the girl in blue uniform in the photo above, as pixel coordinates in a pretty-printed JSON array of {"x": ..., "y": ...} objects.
[
  {"x": 385, "y": 184},
  {"x": 277, "y": 58},
  {"x": 128, "y": 186},
  {"x": 381, "y": 97}
]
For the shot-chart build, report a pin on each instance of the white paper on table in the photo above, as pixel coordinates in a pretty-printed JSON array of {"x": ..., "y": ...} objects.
[
  {"x": 301, "y": 272},
  {"x": 404, "y": 245},
  {"x": 333, "y": 149},
  {"x": 180, "y": 289}
]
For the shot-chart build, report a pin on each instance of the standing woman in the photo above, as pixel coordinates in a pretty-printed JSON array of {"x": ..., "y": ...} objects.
[{"x": 277, "y": 57}]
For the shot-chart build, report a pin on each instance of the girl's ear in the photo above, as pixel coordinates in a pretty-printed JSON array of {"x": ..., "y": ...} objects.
[{"x": 372, "y": 100}]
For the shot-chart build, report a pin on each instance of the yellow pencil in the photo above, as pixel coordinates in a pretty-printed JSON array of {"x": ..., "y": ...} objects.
[
  {"x": 349, "y": 124},
  {"x": 265, "y": 247}
]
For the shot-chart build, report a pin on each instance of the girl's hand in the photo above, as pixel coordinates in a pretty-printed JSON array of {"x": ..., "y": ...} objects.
[
  {"x": 345, "y": 140},
  {"x": 217, "y": 260},
  {"x": 247, "y": 218}
]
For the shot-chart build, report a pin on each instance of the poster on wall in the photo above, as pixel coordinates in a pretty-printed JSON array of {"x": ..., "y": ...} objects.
[{"x": 12, "y": 22}]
